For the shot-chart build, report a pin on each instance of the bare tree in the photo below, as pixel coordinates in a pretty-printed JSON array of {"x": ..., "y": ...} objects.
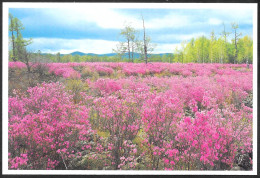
[
  {"x": 145, "y": 44},
  {"x": 224, "y": 33}
]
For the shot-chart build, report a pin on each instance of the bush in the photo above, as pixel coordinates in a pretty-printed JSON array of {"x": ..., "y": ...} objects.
[{"x": 46, "y": 126}]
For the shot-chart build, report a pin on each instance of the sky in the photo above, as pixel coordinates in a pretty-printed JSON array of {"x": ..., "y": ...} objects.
[{"x": 96, "y": 30}]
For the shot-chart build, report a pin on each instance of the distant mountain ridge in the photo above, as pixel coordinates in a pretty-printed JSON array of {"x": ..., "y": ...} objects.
[{"x": 136, "y": 55}]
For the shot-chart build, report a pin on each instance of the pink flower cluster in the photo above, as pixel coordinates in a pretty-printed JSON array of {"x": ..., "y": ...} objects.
[
  {"x": 194, "y": 119},
  {"x": 18, "y": 162},
  {"x": 103, "y": 70},
  {"x": 66, "y": 69},
  {"x": 44, "y": 121},
  {"x": 18, "y": 65},
  {"x": 107, "y": 86},
  {"x": 63, "y": 70}
]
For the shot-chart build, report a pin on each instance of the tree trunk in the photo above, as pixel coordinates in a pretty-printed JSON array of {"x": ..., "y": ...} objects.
[
  {"x": 128, "y": 46},
  {"x": 13, "y": 46},
  {"x": 145, "y": 47},
  {"x": 235, "y": 46},
  {"x": 13, "y": 37},
  {"x": 132, "y": 52}
]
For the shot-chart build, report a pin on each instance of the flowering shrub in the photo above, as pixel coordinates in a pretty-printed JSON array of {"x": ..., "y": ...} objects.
[
  {"x": 107, "y": 86},
  {"x": 16, "y": 65},
  {"x": 46, "y": 126},
  {"x": 63, "y": 70},
  {"x": 102, "y": 70},
  {"x": 155, "y": 116}
]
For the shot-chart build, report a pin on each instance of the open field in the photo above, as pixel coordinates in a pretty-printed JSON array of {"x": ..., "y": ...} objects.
[{"x": 155, "y": 116}]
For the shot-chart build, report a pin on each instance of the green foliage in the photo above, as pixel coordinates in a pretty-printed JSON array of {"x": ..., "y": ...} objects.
[
  {"x": 245, "y": 50},
  {"x": 18, "y": 43},
  {"x": 215, "y": 50},
  {"x": 129, "y": 45},
  {"x": 76, "y": 86},
  {"x": 86, "y": 72}
]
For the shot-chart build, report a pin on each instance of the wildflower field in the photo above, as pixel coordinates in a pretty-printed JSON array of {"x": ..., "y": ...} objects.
[{"x": 129, "y": 116}]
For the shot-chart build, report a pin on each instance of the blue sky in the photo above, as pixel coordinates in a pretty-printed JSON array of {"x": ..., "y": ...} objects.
[{"x": 96, "y": 30}]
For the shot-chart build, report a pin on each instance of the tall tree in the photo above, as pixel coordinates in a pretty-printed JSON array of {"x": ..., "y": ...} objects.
[
  {"x": 183, "y": 50},
  {"x": 236, "y": 36},
  {"x": 245, "y": 50},
  {"x": 225, "y": 36},
  {"x": 145, "y": 43},
  {"x": 212, "y": 45},
  {"x": 190, "y": 55},
  {"x": 144, "y": 46},
  {"x": 145, "y": 51},
  {"x": 200, "y": 45},
  {"x": 19, "y": 43},
  {"x": 58, "y": 57},
  {"x": 12, "y": 30},
  {"x": 178, "y": 55},
  {"x": 129, "y": 43},
  {"x": 224, "y": 33},
  {"x": 220, "y": 49}
]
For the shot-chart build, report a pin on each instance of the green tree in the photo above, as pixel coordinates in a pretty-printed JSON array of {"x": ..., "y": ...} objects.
[
  {"x": 224, "y": 51},
  {"x": 12, "y": 30},
  {"x": 217, "y": 50},
  {"x": 18, "y": 42},
  {"x": 235, "y": 39},
  {"x": 129, "y": 44},
  {"x": 120, "y": 51},
  {"x": 190, "y": 55},
  {"x": 58, "y": 57},
  {"x": 201, "y": 49},
  {"x": 220, "y": 50},
  {"x": 178, "y": 55},
  {"x": 67, "y": 58},
  {"x": 212, "y": 47},
  {"x": 245, "y": 50},
  {"x": 76, "y": 58}
]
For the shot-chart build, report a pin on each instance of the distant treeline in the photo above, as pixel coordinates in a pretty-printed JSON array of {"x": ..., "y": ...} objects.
[
  {"x": 215, "y": 50},
  {"x": 95, "y": 58}
]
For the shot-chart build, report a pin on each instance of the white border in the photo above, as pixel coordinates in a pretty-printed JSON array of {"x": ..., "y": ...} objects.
[
  {"x": 255, "y": 64},
  {"x": 6, "y": 6}
]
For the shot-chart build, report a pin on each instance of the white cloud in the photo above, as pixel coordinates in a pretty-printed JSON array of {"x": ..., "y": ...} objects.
[
  {"x": 81, "y": 18},
  {"x": 66, "y": 46},
  {"x": 168, "y": 21},
  {"x": 214, "y": 21},
  {"x": 54, "y": 45},
  {"x": 179, "y": 37},
  {"x": 102, "y": 17},
  {"x": 241, "y": 16},
  {"x": 166, "y": 48}
]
